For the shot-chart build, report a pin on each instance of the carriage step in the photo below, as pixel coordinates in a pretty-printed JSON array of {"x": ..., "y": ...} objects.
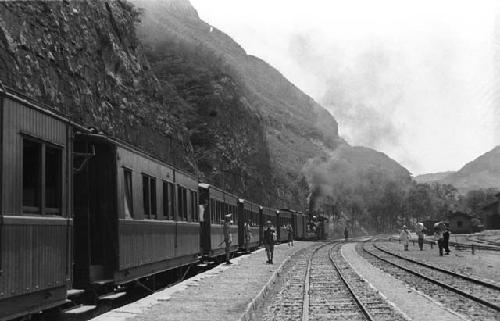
[
  {"x": 103, "y": 282},
  {"x": 112, "y": 296},
  {"x": 74, "y": 292},
  {"x": 80, "y": 309}
]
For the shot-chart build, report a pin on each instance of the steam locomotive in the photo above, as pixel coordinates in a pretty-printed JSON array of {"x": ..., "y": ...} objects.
[{"x": 80, "y": 210}]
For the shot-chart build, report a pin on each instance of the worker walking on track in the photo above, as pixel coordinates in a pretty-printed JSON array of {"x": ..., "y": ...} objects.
[
  {"x": 438, "y": 236},
  {"x": 227, "y": 236},
  {"x": 446, "y": 240},
  {"x": 269, "y": 242},
  {"x": 420, "y": 233},
  {"x": 405, "y": 237}
]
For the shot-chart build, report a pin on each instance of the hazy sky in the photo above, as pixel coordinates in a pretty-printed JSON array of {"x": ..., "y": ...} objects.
[{"x": 414, "y": 79}]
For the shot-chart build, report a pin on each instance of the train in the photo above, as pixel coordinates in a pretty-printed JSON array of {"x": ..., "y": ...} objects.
[{"x": 81, "y": 210}]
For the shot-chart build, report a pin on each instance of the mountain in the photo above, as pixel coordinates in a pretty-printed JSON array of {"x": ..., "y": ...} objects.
[
  {"x": 83, "y": 59},
  {"x": 483, "y": 172},
  {"x": 251, "y": 129},
  {"x": 432, "y": 177},
  {"x": 154, "y": 74}
]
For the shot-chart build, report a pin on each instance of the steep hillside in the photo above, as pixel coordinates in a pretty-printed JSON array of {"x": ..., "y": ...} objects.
[
  {"x": 367, "y": 159},
  {"x": 432, "y": 177},
  {"x": 235, "y": 95},
  {"x": 83, "y": 58},
  {"x": 483, "y": 172},
  {"x": 354, "y": 175}
]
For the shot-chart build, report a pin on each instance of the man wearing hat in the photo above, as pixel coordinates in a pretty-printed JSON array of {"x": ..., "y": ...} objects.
[
  {"x": 227, "y": 235},
  {"x": 269, "y": 242}
]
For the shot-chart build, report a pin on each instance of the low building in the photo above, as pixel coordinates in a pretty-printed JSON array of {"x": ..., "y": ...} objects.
[
  {"x": 462, "y": 223},
  {"x": 491, "y": 216}
]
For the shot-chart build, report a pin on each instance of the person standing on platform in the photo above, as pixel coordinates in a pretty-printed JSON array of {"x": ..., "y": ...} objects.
[
  {"x": 227, "y": 236},
  {"x": 446, "y": 239},
  {"x": 289, "y": 230},
  {"x": 269, "y": 242},
  {"x": 405, "y": 237},
  {"x": 346, "y": 234},
  {"x": 246, "y": 229}
]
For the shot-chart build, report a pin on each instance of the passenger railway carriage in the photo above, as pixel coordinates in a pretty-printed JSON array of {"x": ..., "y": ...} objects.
[
  {"x": 284, "y": 218},
  {"x": 298, "y": 221},
  {"x": 267, "y": 214},
  {"x": 80, "y": 210},
  {"x": 134, "y": 215},
  {"x": 36, "y": 206},
  {"x": 249, "y": 213},
  {"x": 216, "y": 204}
]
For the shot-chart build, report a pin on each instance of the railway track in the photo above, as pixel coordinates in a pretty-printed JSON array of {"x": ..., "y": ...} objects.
[
  {"x": 322, "y": 286},
  {"x": 474, "y": 298}
]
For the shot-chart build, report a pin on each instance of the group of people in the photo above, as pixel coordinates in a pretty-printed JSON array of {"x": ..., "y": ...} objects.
[
  {"x": 441, "y": 236},
  {"x": 270, "y": 238}
]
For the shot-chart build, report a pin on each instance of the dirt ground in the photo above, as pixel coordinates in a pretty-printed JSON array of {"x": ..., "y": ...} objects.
[{"x": 482, "y": 264}]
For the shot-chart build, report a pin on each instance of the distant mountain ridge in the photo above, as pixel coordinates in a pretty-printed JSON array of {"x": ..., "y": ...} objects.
[
  {"x": 483, "y": 172},
  {"x": 432, "y": 177}
]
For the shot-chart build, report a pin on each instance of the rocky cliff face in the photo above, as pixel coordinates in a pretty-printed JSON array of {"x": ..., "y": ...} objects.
[
  {"x": 249, "y": 123},
  {"x": 83, "y": 58},
  {"x": 172, "y": 85}
]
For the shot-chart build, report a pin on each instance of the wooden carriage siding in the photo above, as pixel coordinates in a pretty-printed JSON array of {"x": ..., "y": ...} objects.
[
  {"x": 152, "y": 240},
  {"x": 35, "y": 254},
  {"x": 248, "y": 212}
]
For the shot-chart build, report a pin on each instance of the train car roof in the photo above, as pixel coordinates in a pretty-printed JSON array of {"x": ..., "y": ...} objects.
[
  {"x": 40, "y": 107},
  {"x": 219, "y": 193},
  {"x": 137, "y": 150},
  {"x": 284, "y": 213},
  {"x": 249, "y": 205},
  {"x": 268, "y": 210}
]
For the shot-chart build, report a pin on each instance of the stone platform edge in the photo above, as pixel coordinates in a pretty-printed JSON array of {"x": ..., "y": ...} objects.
[{"x": 259, "y": 298}]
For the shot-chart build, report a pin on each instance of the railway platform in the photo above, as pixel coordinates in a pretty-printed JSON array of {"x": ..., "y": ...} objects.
[{"x": 227, "y": 292}]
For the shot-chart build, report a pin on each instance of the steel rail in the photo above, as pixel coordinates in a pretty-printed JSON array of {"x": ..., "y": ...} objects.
[
  {"x": 434, "y": 281},
  {"x": 361, "y": 306},
  {"x": 432, "y": 267}
]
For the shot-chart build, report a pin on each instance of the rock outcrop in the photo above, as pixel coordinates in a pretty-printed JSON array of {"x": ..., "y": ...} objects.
[
  {"x": 261, "y": 127},
  {"x": 83, "y": 58}
]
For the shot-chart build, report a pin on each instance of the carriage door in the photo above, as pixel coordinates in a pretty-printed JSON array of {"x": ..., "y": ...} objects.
[{"x": 95, "y": 215}]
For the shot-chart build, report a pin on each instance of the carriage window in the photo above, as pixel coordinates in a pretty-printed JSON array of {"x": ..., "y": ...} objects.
[
  {"x": 194, "y": 206},
  {"x": 146, "y": 196},
  {"x": 180, "y": 203},
  {"x": 42, "y": 182},
  {"x": 166, "y": 200},
  {"x": 152, "y": 190},
  {"x": 211, "y": 205},
  {"x": 53, "y": 173},
  {"x": 127, "y": 184},
  {"x": 32, "y": 175}
]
